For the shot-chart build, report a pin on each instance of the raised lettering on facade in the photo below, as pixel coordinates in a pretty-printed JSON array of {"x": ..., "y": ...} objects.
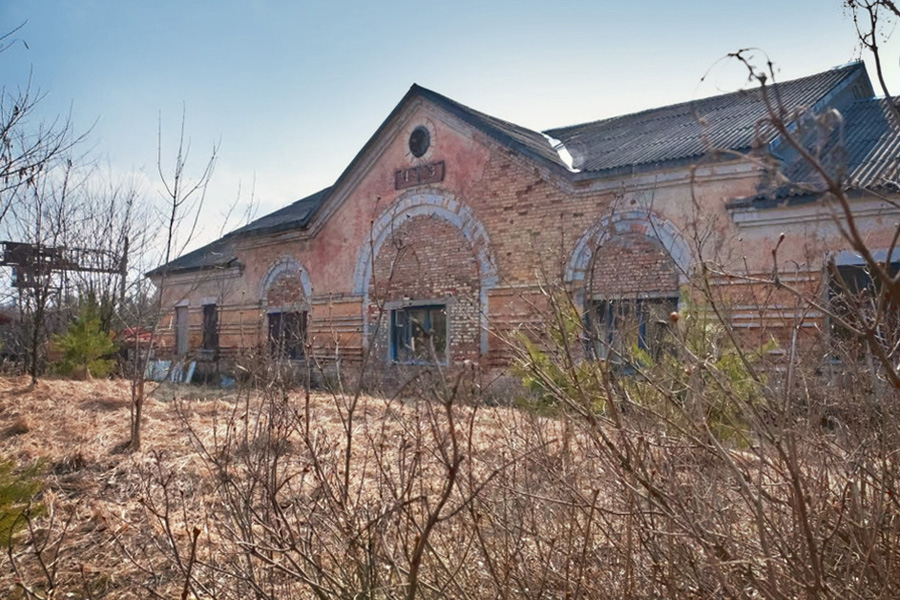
[{"x": 420, "y": 175}]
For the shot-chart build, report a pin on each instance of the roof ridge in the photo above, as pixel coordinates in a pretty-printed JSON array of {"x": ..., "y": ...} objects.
[
  {"x": 459, "y": 104},
  {"x": 849, "y": 68},
  {"x": 503, "y": 131}
]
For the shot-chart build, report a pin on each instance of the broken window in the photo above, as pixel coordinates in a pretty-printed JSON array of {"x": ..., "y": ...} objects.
[
  {"x": 857, "y": 301},
  {"x": 287, "y": 334},
  {"x": 419, "y": 334},
  {"x": 210, "y": 328},
  {"x": 621, "y": 329}
]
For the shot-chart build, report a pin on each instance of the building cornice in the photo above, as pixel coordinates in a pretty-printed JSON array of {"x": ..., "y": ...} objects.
[{"x": 812, "y": 212}]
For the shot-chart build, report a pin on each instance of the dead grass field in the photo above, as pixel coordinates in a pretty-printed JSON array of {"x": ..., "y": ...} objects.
[
  {"x": 76, "y": 431},
  {"x": 97, "y": 491},
  {"x": 258, "y": 494}
]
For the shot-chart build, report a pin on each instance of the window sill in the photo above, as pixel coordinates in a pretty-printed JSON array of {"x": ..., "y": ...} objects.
[
  {"x": 419, "y": 363},
  {"x": 206, "y": 354}
]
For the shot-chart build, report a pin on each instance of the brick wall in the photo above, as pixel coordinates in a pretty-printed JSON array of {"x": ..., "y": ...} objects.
[
  {"x": 533, "y": 221},
  {"x": 285, "y": 290},
  {"x": 629, "y": 265},
  {"x": 427, "y": 259}
]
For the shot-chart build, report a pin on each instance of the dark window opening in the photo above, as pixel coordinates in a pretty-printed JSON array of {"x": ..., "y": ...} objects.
[
  {"x": 419, "y": 334},
  {"x": 287, "y": 334},
  {"x": 855, "y": 299},
  {"x": 210, "y": 327},
  {"x": 419, "y": 140},
  {"x": 620, "y": 328}
]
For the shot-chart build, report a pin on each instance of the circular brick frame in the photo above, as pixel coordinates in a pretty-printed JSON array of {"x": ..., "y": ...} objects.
[
  {"x": 633, "y": 221},
  {"x": 427, "y": 204},
  {"x": 282, "y": 266}
]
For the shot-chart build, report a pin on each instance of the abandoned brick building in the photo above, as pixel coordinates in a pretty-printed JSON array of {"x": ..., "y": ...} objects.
[{"x": 453, "y": 222}]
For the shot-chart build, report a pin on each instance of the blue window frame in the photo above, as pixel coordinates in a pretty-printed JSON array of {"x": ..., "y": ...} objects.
[
  {"x": 287, "y": 334},
  {"x": 415, "y": 331},
  {"x": 618, "y": 327}
]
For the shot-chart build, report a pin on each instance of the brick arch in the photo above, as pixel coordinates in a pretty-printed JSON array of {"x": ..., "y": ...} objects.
[
  {"x": 285, "y": 266},
  {"x": 632, "y": 222},
  {"x": 427, "y": 204}
]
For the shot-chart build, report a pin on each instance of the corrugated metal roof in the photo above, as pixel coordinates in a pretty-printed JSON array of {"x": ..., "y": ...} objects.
[
  {"x": 861, "y": 151},
  {"x": 221, "y": 253},
  {"x": 872, "y": 145},
  {"x": 654, "y": 138},
  {"x": 691, "y": 129}
]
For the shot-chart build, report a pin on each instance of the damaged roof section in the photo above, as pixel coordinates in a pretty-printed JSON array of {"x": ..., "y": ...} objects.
[
  {"x": 860, "y": 149},
  {"x": 220, "y": 254},
  {"x": 682, "y": 133}
]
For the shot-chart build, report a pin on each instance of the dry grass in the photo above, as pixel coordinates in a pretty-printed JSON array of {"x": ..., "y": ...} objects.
[
  {"x": 76, "y": 431},
  {"x": 98, "y": 491},
  {"x": 538, "y": 507}
]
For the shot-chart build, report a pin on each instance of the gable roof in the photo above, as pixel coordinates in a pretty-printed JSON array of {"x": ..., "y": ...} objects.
[
  {"x": 221, "y": 253},
  {"x": 684, "y": 132},
  {"x": 526, "y": 141},
  {"x": 668, "y": 136}
]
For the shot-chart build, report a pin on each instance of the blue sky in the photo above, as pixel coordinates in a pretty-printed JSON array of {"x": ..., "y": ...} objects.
[{"x": 292, "y": 90}]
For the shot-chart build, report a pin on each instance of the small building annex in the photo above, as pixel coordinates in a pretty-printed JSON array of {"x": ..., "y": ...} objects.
[{"x": 452, "y": 222}]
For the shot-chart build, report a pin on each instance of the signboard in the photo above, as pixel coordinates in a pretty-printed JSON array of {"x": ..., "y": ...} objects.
[{"x": 421, "y": 175}]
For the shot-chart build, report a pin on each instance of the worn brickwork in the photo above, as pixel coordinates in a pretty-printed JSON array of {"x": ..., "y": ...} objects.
[
  {"x": 527, "y": 223},
  {"x": 237, "y": 322},
  {"x": 286, "y": 290},
  {"x": 630, "y": 265},
  {"x": 428, "y": 259}
]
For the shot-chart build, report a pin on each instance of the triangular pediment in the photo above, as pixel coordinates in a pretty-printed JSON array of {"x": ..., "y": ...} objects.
[{"x": 387, "y": 148}]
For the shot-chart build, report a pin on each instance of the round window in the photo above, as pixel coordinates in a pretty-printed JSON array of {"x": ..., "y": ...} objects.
[{"x": 419, "y": 141}]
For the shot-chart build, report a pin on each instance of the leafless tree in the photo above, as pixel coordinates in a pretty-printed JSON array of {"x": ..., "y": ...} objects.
[
  {"x": 710, "y": 471},
  {"x": 41, "y": 217},
  {"x": 184, "y": 198},
  {"x": 875, "y": 21},
  {"x": 28, "y": 146}
]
